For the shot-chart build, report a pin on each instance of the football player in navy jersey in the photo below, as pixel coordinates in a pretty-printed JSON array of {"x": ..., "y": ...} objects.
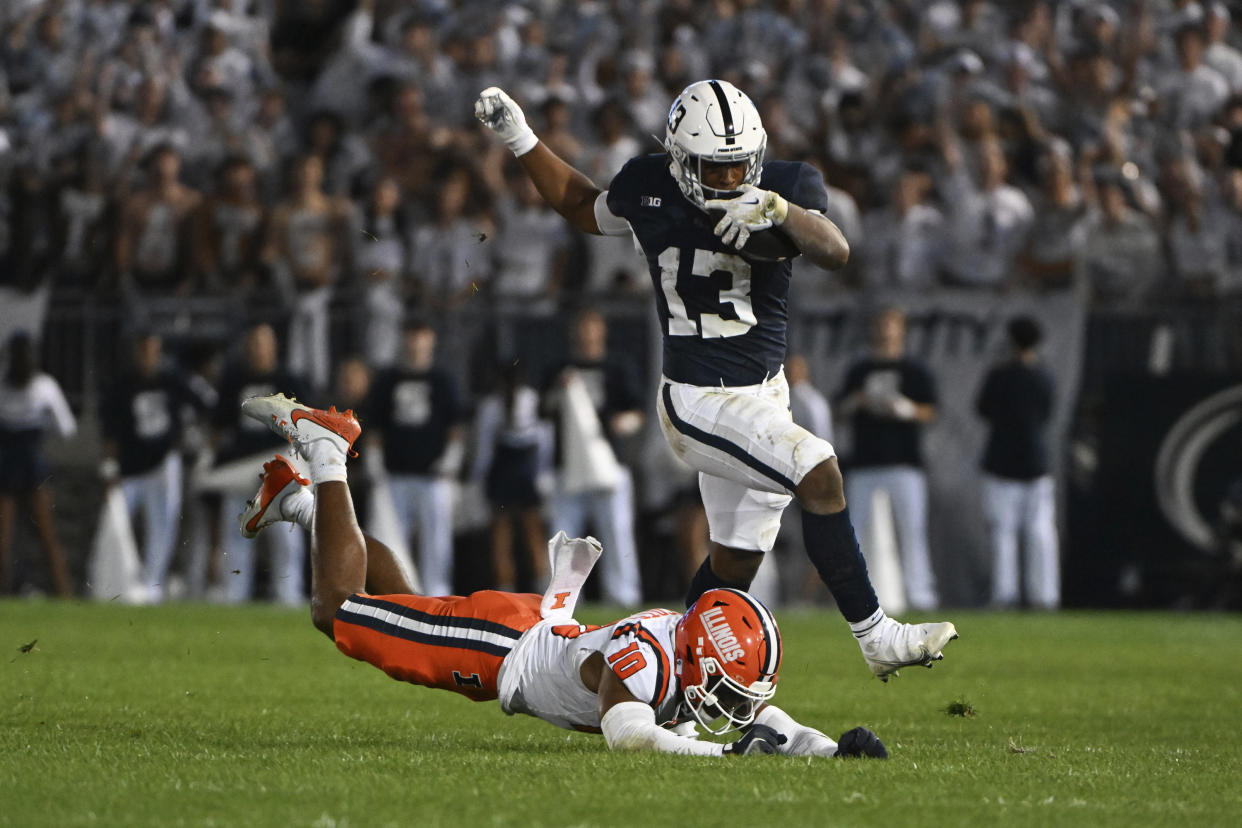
[{"x": 722, "y": 298}]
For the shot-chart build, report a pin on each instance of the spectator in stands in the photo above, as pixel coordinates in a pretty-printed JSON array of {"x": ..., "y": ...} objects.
[
  {"x": 1057, "y": 232},
  {"x": 31, "y": 403},
  {"x": 152, "y": 243},
  {"x": 241, "y": 442},
  {"x": 1220, "y": 54},
  {"x": 142, "y": 423},
  {"x": 228, "y": 230},
  {"x": 1196, "y": 236},
  {"x": 1016, "y": 401},
  {"x": 346, "y": 158},
  {"x": 82, "y": 228},
  {"x": 1120, "y": 259},
  {"x": 269, "y": 141},
  {"x": 598, "y": 496},
  {"x": 417, "y": 413},
  {"x": 406, "y": 141},
  {"x": 307, "y": 247},
  {"x": 905, "y": 241},
  {"x": 888, "y": 397},
  {"x": 450, "y": 263},
  {"x": 989, "y": 221},
  {"x": 382, "y": 271},
  {"x": 1232, "y": 210},
  {"x": 556, "y": 132},
  {"x": 614, "y": 265},
  {"x": 530, "y": 248},
  {"x": 512, "y": 448},
  {"x": 1194, "y": 91}
]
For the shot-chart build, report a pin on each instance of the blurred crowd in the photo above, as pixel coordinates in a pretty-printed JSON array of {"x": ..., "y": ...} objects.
[
  {"x": 285, "y": 148},
  {"x": 303, "y": 159}
]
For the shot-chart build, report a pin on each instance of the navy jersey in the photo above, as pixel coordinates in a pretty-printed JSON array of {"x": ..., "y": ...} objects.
[
  {"x": 414, "y": 410},
  {"x": 612, "y": 385},
  {"x": 144, "y": 415},
  {"x": 244, "y": 436},
  {"x": 723, "y": 316},
  {"x": 886, "y": 441},
  {"x": 1016, "y": 400}
]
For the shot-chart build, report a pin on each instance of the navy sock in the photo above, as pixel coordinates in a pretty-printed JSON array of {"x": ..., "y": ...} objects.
[
  {"x": 833, "y": 548},
  {"x": 705, "y": 579}
]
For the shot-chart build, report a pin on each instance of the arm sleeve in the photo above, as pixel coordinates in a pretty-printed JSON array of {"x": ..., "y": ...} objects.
[
  {"x": 58, "y": 406},
  {"x": 803, "y": 740},
  {"x": 631, "y": 726},
  {"x": 610, "y": 224}
]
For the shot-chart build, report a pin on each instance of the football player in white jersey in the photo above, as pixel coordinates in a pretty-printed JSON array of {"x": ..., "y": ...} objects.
[
  {"x": 645, "y": 681},
  {"x": 719, "y": 228}
]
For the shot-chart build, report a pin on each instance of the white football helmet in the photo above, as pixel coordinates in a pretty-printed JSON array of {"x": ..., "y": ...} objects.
[{"x": 714, "y": 121}]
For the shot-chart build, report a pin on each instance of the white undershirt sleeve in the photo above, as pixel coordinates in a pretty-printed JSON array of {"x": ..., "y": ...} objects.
[
  {"x": 609, "y": 223},
  {"x": 803, "y": 740},
  {"x": 631, "y": 726},
  {"x": 57, "y": 406}
]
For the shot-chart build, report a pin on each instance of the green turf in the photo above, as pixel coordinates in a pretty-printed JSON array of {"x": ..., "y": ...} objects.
[{"x": 196, "y": 715}]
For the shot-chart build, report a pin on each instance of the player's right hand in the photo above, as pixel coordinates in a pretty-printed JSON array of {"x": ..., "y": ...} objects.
[
  {"x": 504, "y": 117},
  {"x": 757, "y": 739},
  {"x": 861, "y": 743}
]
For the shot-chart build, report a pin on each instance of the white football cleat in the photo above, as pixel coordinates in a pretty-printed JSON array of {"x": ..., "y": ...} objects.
[
  {"x": 891, "y": 645},
  {"x": 280, "y": 485},
  {"x": 302, "y": 425}
]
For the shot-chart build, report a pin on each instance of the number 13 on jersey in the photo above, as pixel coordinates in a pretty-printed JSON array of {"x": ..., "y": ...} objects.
[{"x": 705, "y": 265}]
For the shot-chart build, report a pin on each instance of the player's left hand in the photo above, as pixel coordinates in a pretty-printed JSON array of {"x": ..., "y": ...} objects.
[{"x": 753, "y": 210}]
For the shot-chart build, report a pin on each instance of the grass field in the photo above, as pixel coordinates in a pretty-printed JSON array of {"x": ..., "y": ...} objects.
[{"x": 201, "y": 715}]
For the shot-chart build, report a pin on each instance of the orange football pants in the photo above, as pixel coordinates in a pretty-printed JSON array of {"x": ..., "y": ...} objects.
[{"x": 451, "y": 643}]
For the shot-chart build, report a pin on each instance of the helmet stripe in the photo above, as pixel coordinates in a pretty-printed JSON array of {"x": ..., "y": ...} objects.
[
  {"x": 770, "y": 632},
  {"x": 726, "y": 111}
]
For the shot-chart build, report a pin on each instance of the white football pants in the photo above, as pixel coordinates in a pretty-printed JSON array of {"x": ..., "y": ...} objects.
[
  {"x": 610, "y": 513},
  {"x": 287, "y": 543},
  {"x": 907, "y": 490},
  {"x": 1023, "y": 511},
  {"x": 158, "y": 494},
  {"x": 426, "y": 502}
]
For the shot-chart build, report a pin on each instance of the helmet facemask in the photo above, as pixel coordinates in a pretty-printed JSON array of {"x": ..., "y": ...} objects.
[
  {"x": 720, "y": 703},
  {"x": 688, "y": 170},
  {"x": 713, "y": 122}
]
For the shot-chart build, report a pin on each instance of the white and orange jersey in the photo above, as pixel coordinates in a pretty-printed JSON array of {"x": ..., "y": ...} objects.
[{"x": 540, "y": 677}]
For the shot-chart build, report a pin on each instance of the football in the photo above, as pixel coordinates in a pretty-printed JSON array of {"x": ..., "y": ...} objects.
[{"x": 771, "y": 245}]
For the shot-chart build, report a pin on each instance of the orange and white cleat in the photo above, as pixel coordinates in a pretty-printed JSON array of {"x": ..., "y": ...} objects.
[
  {"x": 304, "y": 426},
  {"x": 275, "y": 501}
]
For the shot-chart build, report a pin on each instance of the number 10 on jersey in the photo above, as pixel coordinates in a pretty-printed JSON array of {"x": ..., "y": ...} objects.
[{"x": 707, "y": 264}]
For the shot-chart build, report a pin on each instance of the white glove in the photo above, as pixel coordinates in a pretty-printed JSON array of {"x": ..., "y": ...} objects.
[
  {"x": 753, "y": 210},
  {"x": 904, "y": 408},
  {"x": 504, "y": 117}
]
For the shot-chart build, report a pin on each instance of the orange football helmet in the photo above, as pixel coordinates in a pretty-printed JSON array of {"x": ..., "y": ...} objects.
[{"x": 728, "y": 651}]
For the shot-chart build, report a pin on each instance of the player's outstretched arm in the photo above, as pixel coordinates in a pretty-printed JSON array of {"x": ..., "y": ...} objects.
[
  {"x": 629, "y": 724},
  {"x": 807, "y": 741},
  {"x": 564, "y": 188}
]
